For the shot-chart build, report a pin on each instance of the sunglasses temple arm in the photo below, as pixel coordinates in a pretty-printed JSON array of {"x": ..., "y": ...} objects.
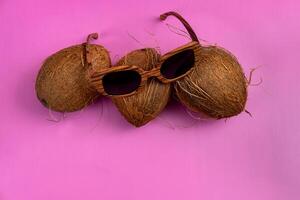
[
  {"x": 90, "y": 37},
  {"x": 183, "y": 21}
]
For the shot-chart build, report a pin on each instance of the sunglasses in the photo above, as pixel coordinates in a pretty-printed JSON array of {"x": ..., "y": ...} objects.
[{"x": 127, "y": 80}]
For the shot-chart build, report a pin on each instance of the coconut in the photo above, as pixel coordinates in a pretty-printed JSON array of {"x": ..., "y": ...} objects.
[
  {"x": 143, "y": 106},
  {"x": 217, "y": 85},
  {"x": 61, "y": 84}
]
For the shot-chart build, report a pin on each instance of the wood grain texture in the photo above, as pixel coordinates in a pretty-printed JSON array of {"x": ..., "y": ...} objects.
[{"x": 95, "y": 76}]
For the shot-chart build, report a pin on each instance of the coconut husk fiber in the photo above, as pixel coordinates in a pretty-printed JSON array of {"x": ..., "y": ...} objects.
[
  {"x": 143, "y": 106},
  {"x": 217, "y": 86},
  {"x": 61, "y": 84}
]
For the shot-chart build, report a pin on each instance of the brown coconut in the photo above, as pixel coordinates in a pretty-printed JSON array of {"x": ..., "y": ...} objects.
[
  {"x": 142, "y": 107},
  {"x": 61, "y": 84},
  {"x": 217, "y": 86}
]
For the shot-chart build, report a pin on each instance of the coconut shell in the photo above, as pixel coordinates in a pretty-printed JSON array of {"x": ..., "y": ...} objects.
[
  {"x": 142, "y": 107},
  {"x": 61, "y": 84},
  {"x": 217, "y": 85}
]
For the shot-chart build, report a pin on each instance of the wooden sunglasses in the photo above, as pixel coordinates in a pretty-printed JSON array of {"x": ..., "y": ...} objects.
[{"x": 127, "y": 80}]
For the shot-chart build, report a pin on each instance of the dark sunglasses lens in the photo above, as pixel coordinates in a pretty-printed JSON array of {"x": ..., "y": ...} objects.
[
  {"x": 178, "y": 64},
  {"x": 122, "y": 82}
]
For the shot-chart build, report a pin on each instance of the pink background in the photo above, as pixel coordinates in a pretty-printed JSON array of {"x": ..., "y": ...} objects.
[{"x": 96, "y": 154}]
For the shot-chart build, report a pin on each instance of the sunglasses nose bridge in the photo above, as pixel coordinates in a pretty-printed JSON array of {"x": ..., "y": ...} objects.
[{"x": 152, "y": 73}]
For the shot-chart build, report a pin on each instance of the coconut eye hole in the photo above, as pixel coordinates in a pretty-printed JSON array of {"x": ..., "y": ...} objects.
[
  {"x": 178, "y": 64},
  {"x": 121, "y": 82}
]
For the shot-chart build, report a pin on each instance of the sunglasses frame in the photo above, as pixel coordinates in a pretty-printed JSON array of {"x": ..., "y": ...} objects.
[{"x": 95, "y": 78}]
